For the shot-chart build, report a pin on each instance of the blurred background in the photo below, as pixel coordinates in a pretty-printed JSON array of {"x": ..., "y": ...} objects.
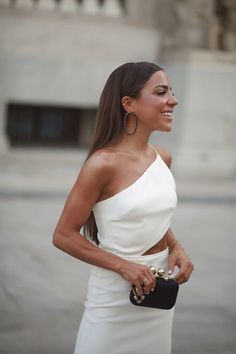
[{"x": 55, "y": 57}]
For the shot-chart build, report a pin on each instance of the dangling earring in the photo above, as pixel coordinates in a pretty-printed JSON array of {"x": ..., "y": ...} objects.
[{"x": 126, "y": 117}]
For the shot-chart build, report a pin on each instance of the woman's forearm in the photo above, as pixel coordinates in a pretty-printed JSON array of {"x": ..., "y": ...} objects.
[
  {"x": 171, "y": 240},
  {"x": 76, "y": 245}
]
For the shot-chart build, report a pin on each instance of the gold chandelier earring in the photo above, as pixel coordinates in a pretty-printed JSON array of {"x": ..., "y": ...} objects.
[{"x": 125, "y": 122}]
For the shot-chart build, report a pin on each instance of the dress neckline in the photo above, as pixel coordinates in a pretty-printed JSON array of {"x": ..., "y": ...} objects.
[{"x": 133, "y": 184}]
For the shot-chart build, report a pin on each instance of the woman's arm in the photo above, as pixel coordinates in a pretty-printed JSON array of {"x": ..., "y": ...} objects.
[
  {"x": 93, "y": 179},
  {"x": 179, "y": 258}
]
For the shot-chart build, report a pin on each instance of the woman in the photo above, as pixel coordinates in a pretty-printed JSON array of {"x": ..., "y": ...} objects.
[{"x": 124, "y": 198}]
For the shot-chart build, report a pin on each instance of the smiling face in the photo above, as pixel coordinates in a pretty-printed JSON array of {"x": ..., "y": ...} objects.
[{"x": 155, "y": 104}]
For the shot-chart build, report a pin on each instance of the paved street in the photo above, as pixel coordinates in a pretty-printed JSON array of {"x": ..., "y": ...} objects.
[{"x": 42, "y": 289}]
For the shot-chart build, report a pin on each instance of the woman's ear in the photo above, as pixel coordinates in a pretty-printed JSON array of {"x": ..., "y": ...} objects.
[{"x": 127, "y": 103}]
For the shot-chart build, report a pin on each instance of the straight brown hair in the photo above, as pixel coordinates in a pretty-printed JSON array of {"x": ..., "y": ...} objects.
[{"x": 127, "y": 80}]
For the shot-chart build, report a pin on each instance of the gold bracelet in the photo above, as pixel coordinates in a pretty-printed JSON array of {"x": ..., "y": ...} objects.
[{"x": 172, "y": 246}]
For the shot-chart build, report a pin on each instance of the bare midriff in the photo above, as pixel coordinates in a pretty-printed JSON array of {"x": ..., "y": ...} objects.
[{"x": 158, "y": 247}]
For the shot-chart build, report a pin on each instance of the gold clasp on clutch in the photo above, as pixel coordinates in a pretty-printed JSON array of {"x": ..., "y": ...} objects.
[{"x": 159, "y": 272}]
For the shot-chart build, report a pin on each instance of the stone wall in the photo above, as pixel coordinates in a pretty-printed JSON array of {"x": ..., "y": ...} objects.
[
  {"x": 206, "y": 83},
  {"x": 48, "y": 56},
  {"x": 61, "y": 53}
]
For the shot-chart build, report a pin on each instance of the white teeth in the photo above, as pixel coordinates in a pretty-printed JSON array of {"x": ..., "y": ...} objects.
[{"x": 167, "y": 114}]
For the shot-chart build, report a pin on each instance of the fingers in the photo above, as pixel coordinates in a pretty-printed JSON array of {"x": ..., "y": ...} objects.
[
  {"x": 184, "y": 274},
  {"x": 148, "y": 283},
  {"x": 138, "y": 289},
  {"x": 145, "y": 282},
  {"x": 171, "y": 264}
]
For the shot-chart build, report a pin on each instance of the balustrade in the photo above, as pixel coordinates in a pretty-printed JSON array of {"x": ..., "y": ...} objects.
[
  {"x": 90, "y": 7},
  {"x": 112, "y": 8},
  {"x": 25, "y": 4},
  {"x": 5, "y": 3},
  {"x": 46, "y": 5},
  {"x": 70, "y": 6}
]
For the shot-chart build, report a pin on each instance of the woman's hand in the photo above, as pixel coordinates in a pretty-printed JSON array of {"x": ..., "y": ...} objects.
[
  {"x": 179, "y": 258},
  {"x": 139, "y": 276}
]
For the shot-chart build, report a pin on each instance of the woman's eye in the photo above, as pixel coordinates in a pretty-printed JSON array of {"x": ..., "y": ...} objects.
[{"x": 161, "y": 93}]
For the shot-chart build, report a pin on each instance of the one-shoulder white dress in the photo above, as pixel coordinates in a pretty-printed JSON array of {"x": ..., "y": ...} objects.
[{"x": 129, "y": 223}]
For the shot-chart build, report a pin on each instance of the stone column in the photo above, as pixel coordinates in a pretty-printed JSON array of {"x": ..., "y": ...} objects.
[
  {"x": 206, "y": 92},
  {"x": 3, "y": 138},
  {"x": 205, "y": 81},
  {"x": 194, "y": 23},
  {"x": 227, "y": 17}
]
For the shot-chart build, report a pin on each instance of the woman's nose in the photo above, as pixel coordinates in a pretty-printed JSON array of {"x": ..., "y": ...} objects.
[{"x": 172, "y": 100}]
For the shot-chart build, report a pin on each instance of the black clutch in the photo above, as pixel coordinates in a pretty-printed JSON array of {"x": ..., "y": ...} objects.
[{"x": 164, "y": 295}]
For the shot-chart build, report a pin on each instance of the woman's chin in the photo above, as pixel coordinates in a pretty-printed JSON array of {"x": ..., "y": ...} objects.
[{"x": 167, "y": 128}]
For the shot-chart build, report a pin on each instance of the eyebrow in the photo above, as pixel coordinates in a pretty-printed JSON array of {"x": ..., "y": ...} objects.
[{"x": 163, "y": 86}]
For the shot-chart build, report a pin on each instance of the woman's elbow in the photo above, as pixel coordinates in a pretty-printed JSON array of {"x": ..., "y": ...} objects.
[{"x": 57, "y": 239}]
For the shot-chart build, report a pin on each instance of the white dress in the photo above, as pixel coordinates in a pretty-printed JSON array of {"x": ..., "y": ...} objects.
[{"x": 129, "y": 223}]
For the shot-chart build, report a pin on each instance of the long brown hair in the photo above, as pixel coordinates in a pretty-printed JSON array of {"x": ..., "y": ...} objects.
[{"x": 127, "y": 80}]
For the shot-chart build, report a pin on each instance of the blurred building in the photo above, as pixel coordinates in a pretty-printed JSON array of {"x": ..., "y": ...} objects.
[{"x": 55, "y": 56}]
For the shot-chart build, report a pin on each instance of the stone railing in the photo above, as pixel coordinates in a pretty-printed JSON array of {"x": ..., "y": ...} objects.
[{"x": 113, "y": 8}]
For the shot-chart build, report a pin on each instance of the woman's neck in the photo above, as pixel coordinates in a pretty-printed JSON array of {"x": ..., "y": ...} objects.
[{"x": 137, "y": 142}]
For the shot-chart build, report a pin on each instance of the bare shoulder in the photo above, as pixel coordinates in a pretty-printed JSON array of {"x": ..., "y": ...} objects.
[
  {"x": 165, "y": 154},
  {"x": 94, "y": 177},
  {"x": 99, "y": 165},
  {"x": 87, "y": 189}
]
